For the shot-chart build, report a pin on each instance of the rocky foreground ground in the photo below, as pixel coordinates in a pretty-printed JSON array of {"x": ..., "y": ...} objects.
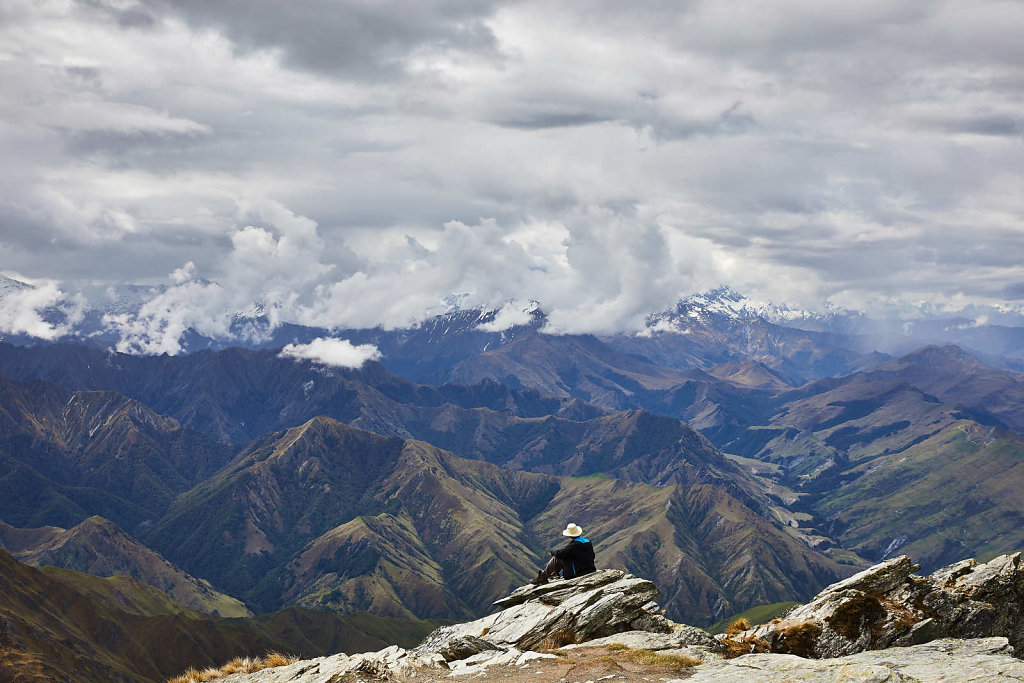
[{"x": 961, "y": 623}]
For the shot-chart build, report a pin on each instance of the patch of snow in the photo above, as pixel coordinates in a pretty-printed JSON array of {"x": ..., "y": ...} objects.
[{"x": 896, "y": 543}]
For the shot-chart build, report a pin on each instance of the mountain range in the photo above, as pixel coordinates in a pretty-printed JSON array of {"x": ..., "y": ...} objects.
[
  {"x": 734, "y": 460},
  {"x": 290, "y": 495}
]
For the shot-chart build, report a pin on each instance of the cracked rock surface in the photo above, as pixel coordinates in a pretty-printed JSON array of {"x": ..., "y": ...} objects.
[
  {"x": 888, "y": 605},
  {"x": 981, "y": 659}
]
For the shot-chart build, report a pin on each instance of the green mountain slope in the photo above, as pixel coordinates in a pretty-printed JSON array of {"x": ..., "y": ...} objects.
[
  {"x": 989, "y": 395},
  {"x": 241, "y": 527},
  {"x": 57, "y": 625},
  {"x": 958, "y": 493},
  {"x": 710, "y": 554},
  {"x": 633, "y": 445},
  {"x": 98, "y": 547},
  {"x": 907, "y": 457}
]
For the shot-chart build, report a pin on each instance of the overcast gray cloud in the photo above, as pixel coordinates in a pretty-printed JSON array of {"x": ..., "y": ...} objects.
[{"x": 352, "y": 163}]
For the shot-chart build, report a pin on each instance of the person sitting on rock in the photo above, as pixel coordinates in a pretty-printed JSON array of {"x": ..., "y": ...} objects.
[{"x": 573, "y": 559}]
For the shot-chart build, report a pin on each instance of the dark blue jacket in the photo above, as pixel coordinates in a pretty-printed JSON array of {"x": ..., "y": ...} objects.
[{"x": 578, "y": 556}]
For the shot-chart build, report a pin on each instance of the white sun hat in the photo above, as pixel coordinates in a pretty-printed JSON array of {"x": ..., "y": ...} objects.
[{"x": 572, "y": 530}]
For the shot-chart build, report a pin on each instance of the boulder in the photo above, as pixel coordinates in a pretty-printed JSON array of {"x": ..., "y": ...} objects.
[
  {"x": 888, "y": 605},
  {"x": 466, "y": 646},
  {"x": 560, "y": 612}
]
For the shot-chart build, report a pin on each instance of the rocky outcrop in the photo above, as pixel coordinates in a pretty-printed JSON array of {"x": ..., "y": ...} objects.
[
  {"x": 985, "y": 660},
  {"x": 562, "y": 612},
  {"x": 600, "y": 604},
  {"x": 547, "y": 630},
  {"x": 888, "y": 605},
  {"x": 946, "y": 660}
]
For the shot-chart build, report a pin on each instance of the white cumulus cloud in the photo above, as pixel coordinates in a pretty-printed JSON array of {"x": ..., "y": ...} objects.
[
  {"x": 22, "y": 311},
  {"x": 387, "y": 156},
  {"x": 339, "y": 353}
]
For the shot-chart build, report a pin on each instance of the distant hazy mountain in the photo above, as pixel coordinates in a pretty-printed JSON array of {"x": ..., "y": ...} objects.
[
  {"x": 237, "y": 394},
  {"x": 700, "y": 332}
]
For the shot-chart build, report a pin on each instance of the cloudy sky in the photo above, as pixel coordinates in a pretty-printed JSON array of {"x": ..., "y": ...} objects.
[{"x": 355, "y": 162}]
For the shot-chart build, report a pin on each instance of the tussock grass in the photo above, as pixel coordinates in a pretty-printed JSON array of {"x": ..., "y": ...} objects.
[
  {"x": 651, "y": 658},
  {"x": 238, "y": 665},
  {"x": 737, "y": 627},
  {"x": 799, "y": 640},
  {"x": 671, "y": 661},
  {"x": 744, "y": 646}
]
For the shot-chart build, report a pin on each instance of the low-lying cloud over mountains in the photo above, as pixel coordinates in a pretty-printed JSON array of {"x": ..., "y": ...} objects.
[{"x": 340, "y": 164}]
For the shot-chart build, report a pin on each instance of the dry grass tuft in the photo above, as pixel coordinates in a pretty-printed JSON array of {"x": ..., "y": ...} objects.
[
  {"x": 737, "y": 626},
  {"x": 275, "y": 659},
  {"x": 743, "y": 646},
  {"x": 616, "y": 646},
  {"x": 238, "y": 665},
  {"x": 856, "y": 615},
  {"x": 799, "y": 640},
  {"x": 905, "y": 621},
  {"x": 671, "y": 661}
]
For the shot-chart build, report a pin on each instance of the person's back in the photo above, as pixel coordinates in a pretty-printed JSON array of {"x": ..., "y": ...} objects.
[
  {"x": 573, "y": 559},
  {"x": 577, "y": 556}
]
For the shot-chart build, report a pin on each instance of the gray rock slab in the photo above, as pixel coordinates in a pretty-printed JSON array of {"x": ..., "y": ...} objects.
[
  {"x": 590, "y": 606},
  {"x": 940, "y": 661},
  {"x": 556, "y": 590}
]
